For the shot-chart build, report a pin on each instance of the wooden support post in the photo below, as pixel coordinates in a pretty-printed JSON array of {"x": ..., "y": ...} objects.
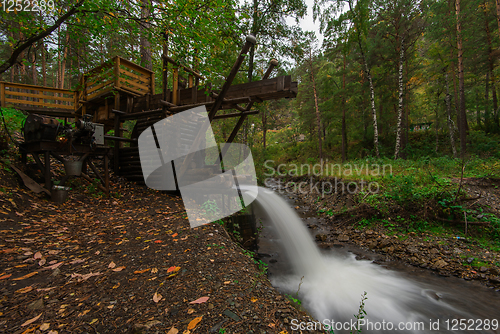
[
  {"x": 117, "y": 72},
  {"x": 218, "y": 102},
  {"x": 190, "y": 81},
  {"x": 38, "y": 162},
  {"x": 84, "y": 94},
  {"x": 48, "y": 181},
  {"x": 238, "y": 125},
  {"x": 152, "y": 88},
  {"x": 116, "y": 148},
  {"x": 2, "y": 94},
  {"x": 106, "y": 173},
  {"x": 175, "y": 89}
]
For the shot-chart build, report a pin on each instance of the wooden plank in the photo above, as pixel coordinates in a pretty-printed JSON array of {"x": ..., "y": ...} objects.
[
  {"x": 141, "y": 114},
  {"x": 135, "y": 67},
  {"x": 99, "y": 93},
  {"x": 2, "y": 94},
  {"x": 186, "y": 68},
  {"x": 236, "y": 114},
  {"x": 128, "y": 89},
  {"x": 93, "y": 89},
  {"x": 99, "y": 77},
  {"x": 152, "y": 85},
  {"x": 41, "y": 96},
  {"x": 280, "y": 84},
  {"x": 47, "y": 89},
  {"x": 135, "y": 84},
  {"x": 175, "y": 90},
  {"x": 36, "y": 103},
  {"x": 61, "y": 113},
  {"x": 117, "y": 72},
  {"x": 135, "y": 76}
]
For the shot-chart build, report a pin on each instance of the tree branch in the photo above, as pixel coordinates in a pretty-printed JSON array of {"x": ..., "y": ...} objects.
[{"x": 18, "y": 50}]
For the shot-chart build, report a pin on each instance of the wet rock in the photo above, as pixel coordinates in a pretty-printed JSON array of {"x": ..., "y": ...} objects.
[
  {"x": 384, "y": 243},
  {"x": 321, "y": 237},
  {"x": 439, "y": 264},
  {"x": 231, "y": 315},
  {"x": 494, "y": 271},
  {"x": 412, "y": 250},
  {"x": 36, "y": 305},
  {"x": 470, "y": 260},
  {"x": 325, "y": 245},
  {"x": 337, "y": 245},
  {"x": 483, "y": 269},
  {"x": 434, "y": 251},
  {"x": 373, "y": 244},
  {"x": 343, "y": 238}
]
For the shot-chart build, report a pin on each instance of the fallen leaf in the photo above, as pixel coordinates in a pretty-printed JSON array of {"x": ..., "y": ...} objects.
[
  {"x": 25, "y": 290},
  {"x": 173, "y": 330},
  {"x": 174, "y": 235},
  {"x": 154, "y": 270},
  {"x": 116, "y": 286},
  {"x": 199, "y": 300},
  {"x": 54, "y": 266},
  {"x": 111, "y": 265},
  {"x": 53, "y": 332},
  {"x": 81, "y": 277},
  {"x": 75, "y": 261},
  {"x": 173, "y": 269},
  {"x": 93, "y": 321},
  {"x": 156, "y": 297},
  {"x": 42, "y": 262},
  {"x": 190, "y": 310},
  {"x": 194, "y": 323},
  {"x": 227, "y": 282},
  {"x": 5, "y": 276},
  {"x": 37, "y": 256},
  {"x": 44, "y": 326},
  {"x": 141, "y": 271},
  {"x": 25, "y": 276},
  {"x": 253, "y": 299},
  {"x": 158, "y": 241},
  {"x": 98, "y": 252},
  {"x": 53, "y": 252},
  {"x": 119, "y": 268},
  {"x": 29, "y": 322}
]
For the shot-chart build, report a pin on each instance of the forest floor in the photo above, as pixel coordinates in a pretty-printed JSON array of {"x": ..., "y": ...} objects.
[
  {"x": 125, "y": 264},
  {"x": 414, "y": 234}
]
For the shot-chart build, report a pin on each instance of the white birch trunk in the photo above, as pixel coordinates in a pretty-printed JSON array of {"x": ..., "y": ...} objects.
[{"x": 400, "y": 105}]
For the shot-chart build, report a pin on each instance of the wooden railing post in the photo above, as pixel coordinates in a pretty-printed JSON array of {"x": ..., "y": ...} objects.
[
  {"x": 117, "y": 72},
  {"x": 152, "y": 78},
  {"x": 2, "y": 94},
  {"x": 175, "y": 88}
]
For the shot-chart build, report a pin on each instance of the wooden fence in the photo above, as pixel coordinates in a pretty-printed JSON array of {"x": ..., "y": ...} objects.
[{"x": 31, "y": 97}]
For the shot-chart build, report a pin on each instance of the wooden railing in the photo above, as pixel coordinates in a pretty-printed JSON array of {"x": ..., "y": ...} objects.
[
  {"x": 119, "y": 74},
  {"x": 31, "y": 97}
]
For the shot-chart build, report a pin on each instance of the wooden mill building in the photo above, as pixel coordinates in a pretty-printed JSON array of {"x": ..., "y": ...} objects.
[{"x": 119, "y": 90}]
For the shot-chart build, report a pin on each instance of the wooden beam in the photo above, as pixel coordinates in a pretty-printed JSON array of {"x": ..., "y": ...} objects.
[
  {"x": 175, "y": 89},
  {"x": 250, "y": 40},
  {"x": 237, "y": 114},
  {"x": 238, "y": 125},
  {"x": 186, "y": 68}
]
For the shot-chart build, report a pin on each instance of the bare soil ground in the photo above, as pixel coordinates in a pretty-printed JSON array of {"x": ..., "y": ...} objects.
[{"x": 130, "y": 264}]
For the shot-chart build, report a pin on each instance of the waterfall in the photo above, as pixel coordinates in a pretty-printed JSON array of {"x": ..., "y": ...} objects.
[{"x": 333, "y": 285}]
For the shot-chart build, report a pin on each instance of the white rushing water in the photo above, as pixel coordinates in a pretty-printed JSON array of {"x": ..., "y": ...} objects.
[{"x": 332, "y": 286}]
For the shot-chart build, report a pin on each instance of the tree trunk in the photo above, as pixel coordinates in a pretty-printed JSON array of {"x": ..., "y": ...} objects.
[
  {"x": 44, "y": 65},
  {"x": 33, "y": 68},
  {"x": 461, "y": 83},
  {"x": 264, "y": 127},
  {"x": 63, "y": 62},
  {"x": 400, "y": 105},
  {"x": 448, "y": 114},
  {"x": 437, "y": 124},
  {"x": 145, "y": 44},
  {"x": 344, "y": 128},
  {"x": 318, "y": 117},
  {"x": 489, "y": 76},
  {"x": 487, "y": 103}
]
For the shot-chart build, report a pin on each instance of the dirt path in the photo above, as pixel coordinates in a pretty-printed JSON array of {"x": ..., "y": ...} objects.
[{"x": 126, "y": 265}]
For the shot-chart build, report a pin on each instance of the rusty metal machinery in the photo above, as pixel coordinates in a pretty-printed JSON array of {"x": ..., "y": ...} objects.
[{"x": 38, "y": 128}]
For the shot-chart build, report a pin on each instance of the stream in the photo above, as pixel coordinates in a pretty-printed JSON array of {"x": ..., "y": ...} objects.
[{"x": 330, "y": 283}]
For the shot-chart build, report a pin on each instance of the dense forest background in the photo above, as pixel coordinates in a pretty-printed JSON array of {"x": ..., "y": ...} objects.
[{"x": 405, "y": 79}]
